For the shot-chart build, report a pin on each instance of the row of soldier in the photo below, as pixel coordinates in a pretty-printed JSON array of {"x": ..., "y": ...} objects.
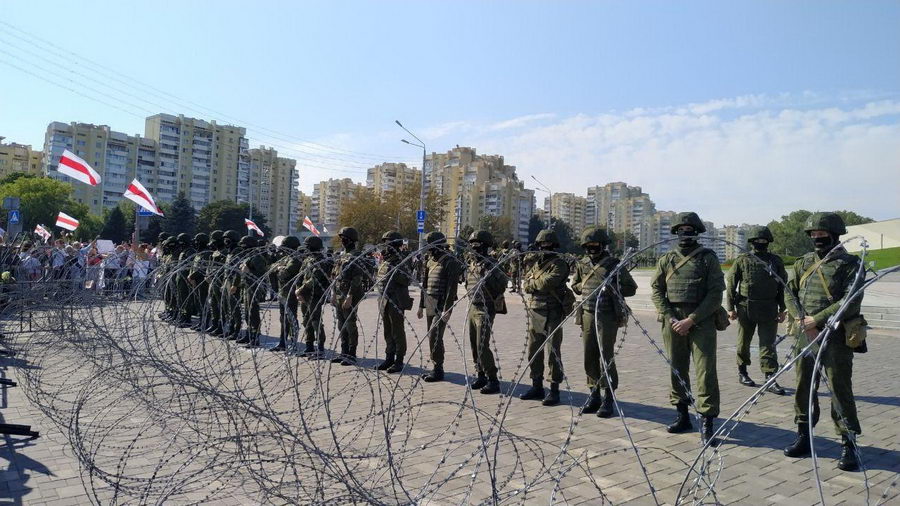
[{"x": 222, "y": 279}]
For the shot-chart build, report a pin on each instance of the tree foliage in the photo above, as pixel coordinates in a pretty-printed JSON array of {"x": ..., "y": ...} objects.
[
  {"x": 181, "y": 217},
  {"x": 535, "y": 225},
  {"x": 372, "y": 215},
  {"x": 789, "y": 234},
  {"x": 499, "y": 226},
  {"x": 41, "y": 199},
  {"x": 89, "y": 228},
  {"x": 115, "y": 227},
  {"x": 228, "y": 215},
  {"x": 620, "y": 242},
  {"x": 567, "y": 242}
]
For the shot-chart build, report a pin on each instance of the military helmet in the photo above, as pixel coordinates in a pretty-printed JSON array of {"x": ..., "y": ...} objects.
[
  {"x": 688, "y": 218},
  {"x": 216, "y": 235},
  {"x": 829, "y": 222},
  {"x": 291, "y": 242},
  {"x": 184, "y": 238},
  {"x": 760, "y": 232},
  {"x": 350, "y": 233},
  {"x": 162, "y": 236},
  {"x": 201, "y": 240},
  {"x": 313, "y": 243},
  {"x": 594, "y": 234},
  {"x": 435, "y": 238},
  {"x": 547, "y": 235},
  {"x": 168, "y": 242},
  {"x": 232, "y": 235},
  {"x": 391, "y": 236},
  {"x": 504, "y": 244},
  {"x": 247, "y": 242},
  {"x": 482, "y": 236}
]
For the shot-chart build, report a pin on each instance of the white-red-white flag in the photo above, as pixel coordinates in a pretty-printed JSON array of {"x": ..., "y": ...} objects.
[
  {"x": 43, "y": 232},
  {"x": 308, "y": 225},
  {"x": 76, "y": 168},
  {"x": 140, "y": 196},
  {"x": 67, "y": 222},
  {"x": 252, "y": 226}
]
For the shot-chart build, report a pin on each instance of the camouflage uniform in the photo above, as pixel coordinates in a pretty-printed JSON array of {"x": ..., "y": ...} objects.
[
  {"x": 198, "y": 280},
  {"x": 252, "y": 288},
  {"x": 231, "y": 295},
  {"x": 349, "y": 274},
  {"x": 312, "y": 291},
  {"x": 215, "y": 275},
  {"x": 485, "y": 283},
  {"x": 392, "y": 283},
  {"x": 184, "y": 296},
  {"x": 439, "y": 286},
  {"x": 286, "y": 273}
]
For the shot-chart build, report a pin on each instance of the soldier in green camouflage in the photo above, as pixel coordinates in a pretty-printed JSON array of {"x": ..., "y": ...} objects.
[
  {"x": 215, "y": 274},
  {"x": 440, "y": 281},
  {"x": 252, "y": 288},
  {"x": 197, "y": 279},
  {"x": 167, "y": 278},
  {"x": 231, "y": 296},
  {"x": 349, "y": 273},
  {"x": 311, "y": 292},
  {"x": 184, "y": 298},
  {"x": 820, "y": 282},
  {"x": 687, "y": 292},
  {"x": 515, "y": 266},
  {"x": 548, "y": 301},
  {"x": 392, "y": 284},
  {"x": 287, "y": 274},
  {"x": 755, "y": 298},
  {"x": 486, "y": 284},
  {"x": 601, "y": 307}
]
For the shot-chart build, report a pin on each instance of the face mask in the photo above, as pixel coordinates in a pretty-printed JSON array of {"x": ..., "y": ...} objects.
[
  {"x": 546, "y": 247},
  {"x": 760, "y": 246},
  {"x": 594, "y": 250},
  {"x": 438, "y": 252},
  {"x": 688, "y": 238},
  {"x": 346, "y": 243},
  {"x": 823, "y": 243}
]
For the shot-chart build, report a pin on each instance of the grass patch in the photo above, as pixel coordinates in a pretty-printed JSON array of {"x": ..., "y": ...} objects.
[{"x": 883, "y": 258}]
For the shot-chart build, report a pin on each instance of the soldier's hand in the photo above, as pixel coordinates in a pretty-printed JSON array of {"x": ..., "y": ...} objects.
[
  {"x": 781, "y": 317},
  {"x": 682, "y": 327},
  {"x": 232, "y": 290},
  {"x": 808, "y": 322},
  {"x": 732, "y": 315},
  {"x": 347, "y": 305},
  {"x": 419, "y": 313},
  {"x": 811, "y": 333}
]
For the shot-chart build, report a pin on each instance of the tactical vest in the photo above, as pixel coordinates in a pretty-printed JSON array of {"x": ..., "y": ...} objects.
[
  {"x": 757, "y": 283},
  {"x": 315, "y": 275},
  {"x": 593, "y": 276},
  {"x": 687, "y": 284},
  {"x": 437, "y": 280},
  {"x": 216, "y": 272},
  {"x": 346, "y": 267},
  {"x": 837, "y": 272},
  {"x": 287, "y": 270},
  {"x": 542, "y": 268},
  {"x": 387, "y": 273},
  {"x": 478, "y": 268}
]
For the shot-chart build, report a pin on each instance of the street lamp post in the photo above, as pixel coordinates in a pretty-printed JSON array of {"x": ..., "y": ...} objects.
[
  {"x": 421, "y": 144},
  {"x": 550, "y": 193}
]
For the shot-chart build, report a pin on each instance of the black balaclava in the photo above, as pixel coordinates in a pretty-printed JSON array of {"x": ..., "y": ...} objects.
[
  {"x": 687, "y": 238},
  {"x": 760, "y": 246},
  {"x": 546, "y": 246},
  {"x": 596, "y": 252},
  {"x": 825, "y": 244},
  {"x": 347, "y": 243}
]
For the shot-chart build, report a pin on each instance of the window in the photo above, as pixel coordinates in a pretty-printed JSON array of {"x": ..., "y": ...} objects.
[{"x": 79, "y": 143}]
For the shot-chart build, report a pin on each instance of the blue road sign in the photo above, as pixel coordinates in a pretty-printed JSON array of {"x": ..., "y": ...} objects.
[
  {"x": 13, "y": 217},
  {"x": 420, "y": 215},
  {"x": 144, "y": 212},
  {"x": 420, "y": 226}
]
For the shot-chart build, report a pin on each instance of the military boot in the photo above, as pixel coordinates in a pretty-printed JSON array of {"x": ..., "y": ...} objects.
[
  {"x": 682, "y": 421},
  {"x": 479, "y": 382},
  {"x": 593, "y": 403},
  {"x": 243, "y": 338},
  {"x": 436, "y": 374},
  {"x": 774, "y": 388},
  {"x": 184, "y": 322},
  {"x": 397, "y": 366},
  {"x": 800, "y": 447},
  {"x": 552, "y": 398},
  {"x": 386, "y": 364},
  {"x": 308, "y": 351},
  {"x": 849, "y": 460},
  {"x": 252, "y": 339},
  {"x": 280, "y": 346},
  {"x": 492, "y": 387},
  {"x": 535, "y": 392},
  {"x": 744, "y": 378},
  {"x": 707, "y": 430},
  {"x": 348, "y": 360},
  {"x": 608, "y": 408}
]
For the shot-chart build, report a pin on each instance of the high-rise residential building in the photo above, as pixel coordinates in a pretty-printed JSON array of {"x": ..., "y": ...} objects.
[
  {"x": 328, "y": 198},
  {"x": 274, "y": 188},
  {"x": 732, "y": 238},
  {"x": 19, "y": 158},
  {"x": 389, "y": 178},
  {"x": 208, "y": 161},
  {"x": 304, "y": 208},
  {"x": 116, "y": 156},
  {"x": 661, "y": 230},
  {"x": 621, "y": 208},
  {"x": 571, "y": 209},
  {"x": 477, "y": 185}
]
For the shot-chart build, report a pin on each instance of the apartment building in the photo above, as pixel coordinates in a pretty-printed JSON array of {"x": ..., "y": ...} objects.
[
  {"x": 19, "y": 158},
  {"x": 273, "y": 184},
  {"x": 388, "y": 178},
  {"x": 327, "y": 199},
  {"x": 571, "y": 209}
]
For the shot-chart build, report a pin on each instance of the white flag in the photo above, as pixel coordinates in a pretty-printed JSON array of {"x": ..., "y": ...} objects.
[
  {"x": 252, "y": 226},
  {"x": 140, "y": 196},
  {"x": 76, "y": 168}
]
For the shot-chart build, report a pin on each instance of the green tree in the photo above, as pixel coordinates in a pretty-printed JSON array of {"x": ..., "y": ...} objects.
[
  {"x": 181, "y": 217},
  {"x": 535, "y": 225},
  {"x": 229, "y": 215},
  {"x": 115, "y": 227},
  {"x": 41, "y": 199},
  {"x": 619, "y": 242},
  {"x": 89, "y": 228},
  {"x": 372, "y": 215},
  {"x": 15, "y": 176},
  {"x": 466, "y": 232},
  {"x": 790, "y": 236},
  {"x": 498, "y": 226},
  {"x": 567, "y": 242}
]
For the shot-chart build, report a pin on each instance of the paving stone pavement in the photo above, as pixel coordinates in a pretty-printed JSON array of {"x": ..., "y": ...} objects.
[{"x": 47, "y": 470}]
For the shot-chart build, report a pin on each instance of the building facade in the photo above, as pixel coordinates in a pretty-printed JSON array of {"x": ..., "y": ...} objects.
[
  {"x": 391, "y": 178},
  {"x": 328, "y": 198},
  {"x": 571, "y": 209},
  {"x": 273, "y": 180},
  {"x": 20, "y": 158}
]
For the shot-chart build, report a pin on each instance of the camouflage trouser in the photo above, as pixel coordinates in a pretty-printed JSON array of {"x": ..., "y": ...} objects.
[
  {"x": 313, "y": 329},
  {"x": 480, "y": 323},
  {"x": 544, "y": 327},
  {"x": 699, "y": 344},
  {"x": 184, "y": 298},
  {"x": 394, "y": 333},
  {"x": 593, "y": 365},
  {"x": 837, "y": 361},
  {"x": 169, "y": 286},
  {"x": 215, "y": 305},
  {"x": 250, "y": 303},
  {"x": 287, "y": 313},
  {"x": 759, "y": 317},
  {"x": 200, "y": 296},
  {"x": 436, "y": 328},
  {"x": 232, "y": 312},
  {"x": 346, "y": 320}
]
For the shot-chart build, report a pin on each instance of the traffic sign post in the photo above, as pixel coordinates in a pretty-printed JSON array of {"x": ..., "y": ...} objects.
[
  {"x": 420, "y": 221},
  {"x": 420, "y": 215},
  {"x": 14, "y": 221},
  {"x": 13, "y": 218}
]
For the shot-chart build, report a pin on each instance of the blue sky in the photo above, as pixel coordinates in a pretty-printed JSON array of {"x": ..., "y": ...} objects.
[{"x": 669, "y": 95}]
